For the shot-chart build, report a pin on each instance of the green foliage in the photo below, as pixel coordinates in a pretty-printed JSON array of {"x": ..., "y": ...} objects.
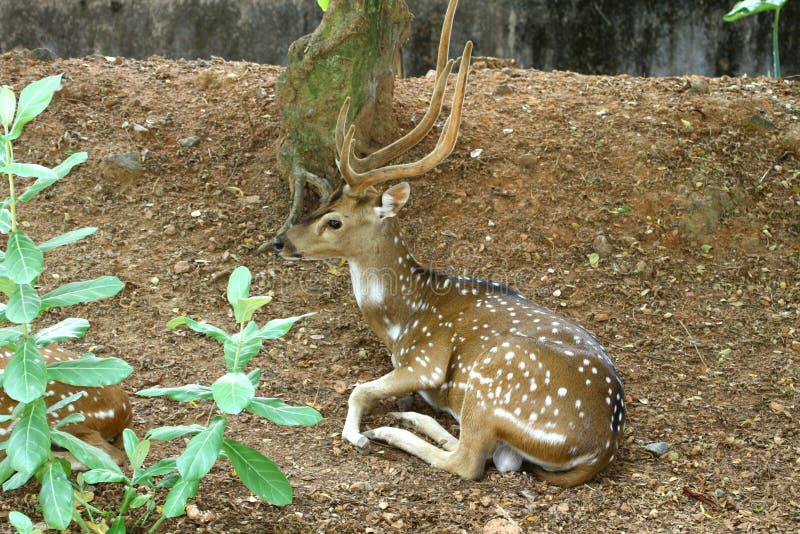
[
  {"x": 232, "y": 393},
  {"x": 26, "y": 376},
  {"x": 323, "y": 4},
  {"x": 745, "y": 8}
]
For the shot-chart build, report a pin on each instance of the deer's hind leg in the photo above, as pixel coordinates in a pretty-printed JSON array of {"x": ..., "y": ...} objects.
[
  {"x": 427, "y": 426},
  {"x": 467, "y": 459}
]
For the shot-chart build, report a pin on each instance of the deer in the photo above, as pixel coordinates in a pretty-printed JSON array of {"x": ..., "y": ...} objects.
[
  {"x": 526, "y": 385},
  {"x": 107, "y": 410}
]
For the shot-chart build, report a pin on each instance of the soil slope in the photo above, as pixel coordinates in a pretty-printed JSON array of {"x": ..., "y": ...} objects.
[{"x": 686, "y": 189}]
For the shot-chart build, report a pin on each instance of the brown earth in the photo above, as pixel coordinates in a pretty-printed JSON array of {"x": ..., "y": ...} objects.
[{"x": 688, "y": 190}]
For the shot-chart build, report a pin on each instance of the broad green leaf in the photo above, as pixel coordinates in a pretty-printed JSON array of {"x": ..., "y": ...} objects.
[
  {"x": 61, "y": 170},
  {"x": 9, "y": 335},
  {"x": 33, "y": 100},
  {"x": 89, "y": 370},
  {"x": 24, "y": 305},
  {"x": 745, "y": 8},
  {"x": 166, "y": 433},
  {"x": 129, "y": 441},
  {"x": 140, "y": 500},
  {"x": 8, "y": 106},
  {"x": 7, "y": 287},
  {"x": 187, "y": 393},
  {"x": 175, "y": 503},
  {"x": 246, "y": 307},
  {"x": 117, "y": 526},
  {"x": 25, "y": 377},
  {"x": 29, "y": 444},
  {"x": 66, "y": 238},
  {"x": 17, "y": 481},
  {"x": 21, "y": 522},
  {"x": 233, "y": 392},
  {"x": 237, "y": 355},
  {"x": 140, "y": 454},
  {"x": 323, "y": 4},
  {"x": 89, "y": 455},
  {"x": 56, "y": 495},
  {"x": 258, "y": 473},
  {"x": 254, "y": 377},
  {"x": 5, "y": 469},
  {"x": 24, "y": 262},
  {"x": 160, "y": 468},
  {"x": 71, "y": 328},
  {"x": 203, "y": 328},
  {"x": 202, "y": 451},
  {"x": 281, "y": 413},
  {"x": 239, "y": 286},
  {"x": 169, "y": 481},
  {"x": 97, "y": 476},
  {"x": 78, "y": 292},
  {"x": 278, "y": 327},
  {"x": 30, "y": 170},
  {"x": 5, "y": 221}
]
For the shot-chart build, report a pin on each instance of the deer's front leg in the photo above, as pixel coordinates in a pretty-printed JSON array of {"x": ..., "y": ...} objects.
[{"x": 402, "y": 381}]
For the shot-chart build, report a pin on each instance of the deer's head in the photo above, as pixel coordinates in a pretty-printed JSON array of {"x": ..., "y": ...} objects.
[{"x": 358, "y": 215}]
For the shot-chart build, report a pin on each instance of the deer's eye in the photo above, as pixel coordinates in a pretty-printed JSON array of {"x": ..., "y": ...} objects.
[{"x": 334, "y": 224}]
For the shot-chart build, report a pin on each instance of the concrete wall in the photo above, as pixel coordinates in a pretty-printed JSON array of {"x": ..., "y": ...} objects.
[{"x": 641, "y": 37}]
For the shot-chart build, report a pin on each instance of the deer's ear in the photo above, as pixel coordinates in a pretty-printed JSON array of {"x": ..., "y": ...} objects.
[{"x": 393, "y": 200}]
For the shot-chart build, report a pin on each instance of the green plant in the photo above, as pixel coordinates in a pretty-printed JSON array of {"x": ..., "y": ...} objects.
[
  {"x": 28, "y": 448},
  {"x": 745, "y": 8},
  {"x": 232, "y": 393}
]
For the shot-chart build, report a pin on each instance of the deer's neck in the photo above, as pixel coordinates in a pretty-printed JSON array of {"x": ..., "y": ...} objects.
[{"x": 390, "y": 287}]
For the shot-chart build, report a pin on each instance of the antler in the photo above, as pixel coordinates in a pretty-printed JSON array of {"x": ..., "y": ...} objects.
[{"x": 360, "y": 173}]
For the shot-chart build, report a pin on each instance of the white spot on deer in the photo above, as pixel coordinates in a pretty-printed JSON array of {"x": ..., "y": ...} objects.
[{"x": 562, "y": 392}]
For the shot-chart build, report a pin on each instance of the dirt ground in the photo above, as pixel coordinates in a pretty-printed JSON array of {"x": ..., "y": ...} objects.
[{"x": 687, "y": 189}]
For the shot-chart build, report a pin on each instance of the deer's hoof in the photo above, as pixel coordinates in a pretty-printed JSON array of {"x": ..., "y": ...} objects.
[{"x": 357, "y": 440}]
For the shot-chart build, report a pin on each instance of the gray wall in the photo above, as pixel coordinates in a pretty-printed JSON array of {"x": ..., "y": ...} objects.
[{"x": 641, "y": 37}]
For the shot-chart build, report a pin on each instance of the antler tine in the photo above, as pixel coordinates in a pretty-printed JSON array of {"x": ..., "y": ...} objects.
[
  {"x": 343, "y": 162},
  {"x": 381, "y": 157},
  {"x": 447, "y": 141},
  {"x": 444, "y": 39},
  {"x": 340, "y": 126}
]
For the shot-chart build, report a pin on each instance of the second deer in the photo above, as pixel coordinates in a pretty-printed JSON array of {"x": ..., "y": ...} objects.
[
  {"x": 106, "y": 410},
  {"x": 524, "y": 383}
]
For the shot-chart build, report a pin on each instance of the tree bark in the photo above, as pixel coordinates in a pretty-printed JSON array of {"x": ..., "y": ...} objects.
[{"x": 352, "y": 53}]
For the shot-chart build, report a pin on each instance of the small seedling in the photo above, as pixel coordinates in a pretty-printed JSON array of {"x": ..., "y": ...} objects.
[
  {"x": 26, "y": 376},
  {"x": 232, "y": 393},
  {"x": 745, "y": 8}
]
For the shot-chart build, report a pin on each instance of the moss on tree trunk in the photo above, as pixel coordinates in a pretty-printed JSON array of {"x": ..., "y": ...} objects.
[{"x": 352, "y": 53}]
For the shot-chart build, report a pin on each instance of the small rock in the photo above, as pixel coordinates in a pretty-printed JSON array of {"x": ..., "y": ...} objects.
[
  {"x": 501, "y": 525},
  {"x": 251, "y": 199},
  {"x": 562, "y": 508},
  {"x": 698, "y": 86},
  {"x": 181, "y": 267},
  {"x": 43, "y": 54},
  {"x": 340, "y": 387},
  {"x": 658, "y": 448},
  {"x": 122, "y": 168},
  {"x": 170, "y": 229},
  {"x": 601, "y": 317},
  {"x": 503, "y": 89},
  {"x": 758, "y": 123},
  {"x": 528, "y": 161},
  {"x": 189, "y": 141},
  {"x": 602, "y": 247},
  {"x": 383, "y": 505},
  {"x": 195, "y": 514},
  {"x": 790, "y": 141},
  {"x": 486, "y": 501}
]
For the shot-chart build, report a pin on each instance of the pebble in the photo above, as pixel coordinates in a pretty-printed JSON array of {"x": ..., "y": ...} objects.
[
  {"x": 602, "y": 247},
  {"x": 125, "y": 167},
  {"x": 189, "y": 141},
  {"x": 181, "y": 267},
  {"x": 501, "y": 525},
  {"x": 170, "y": 229}
]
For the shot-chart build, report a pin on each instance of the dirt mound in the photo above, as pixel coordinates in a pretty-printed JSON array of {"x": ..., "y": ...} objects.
[{"x": 686, "y": 189}]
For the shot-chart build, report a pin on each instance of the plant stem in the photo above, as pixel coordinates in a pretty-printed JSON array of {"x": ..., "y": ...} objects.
[
  {"x": 157, "y": 524},
  {"x": 13, "y": 207},
  {"x": 776, "y": 54}
]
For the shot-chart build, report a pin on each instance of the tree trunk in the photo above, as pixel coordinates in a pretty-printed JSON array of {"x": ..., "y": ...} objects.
[{"x": 352, "y": 53}]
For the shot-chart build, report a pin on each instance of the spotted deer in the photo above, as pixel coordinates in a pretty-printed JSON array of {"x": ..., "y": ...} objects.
[
  {"x": 524, "y": 383},
  {"x": 107, "y": 410}
]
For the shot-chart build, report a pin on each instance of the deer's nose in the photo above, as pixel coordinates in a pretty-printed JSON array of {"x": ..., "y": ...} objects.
[{"x": 277, "y": 245}]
